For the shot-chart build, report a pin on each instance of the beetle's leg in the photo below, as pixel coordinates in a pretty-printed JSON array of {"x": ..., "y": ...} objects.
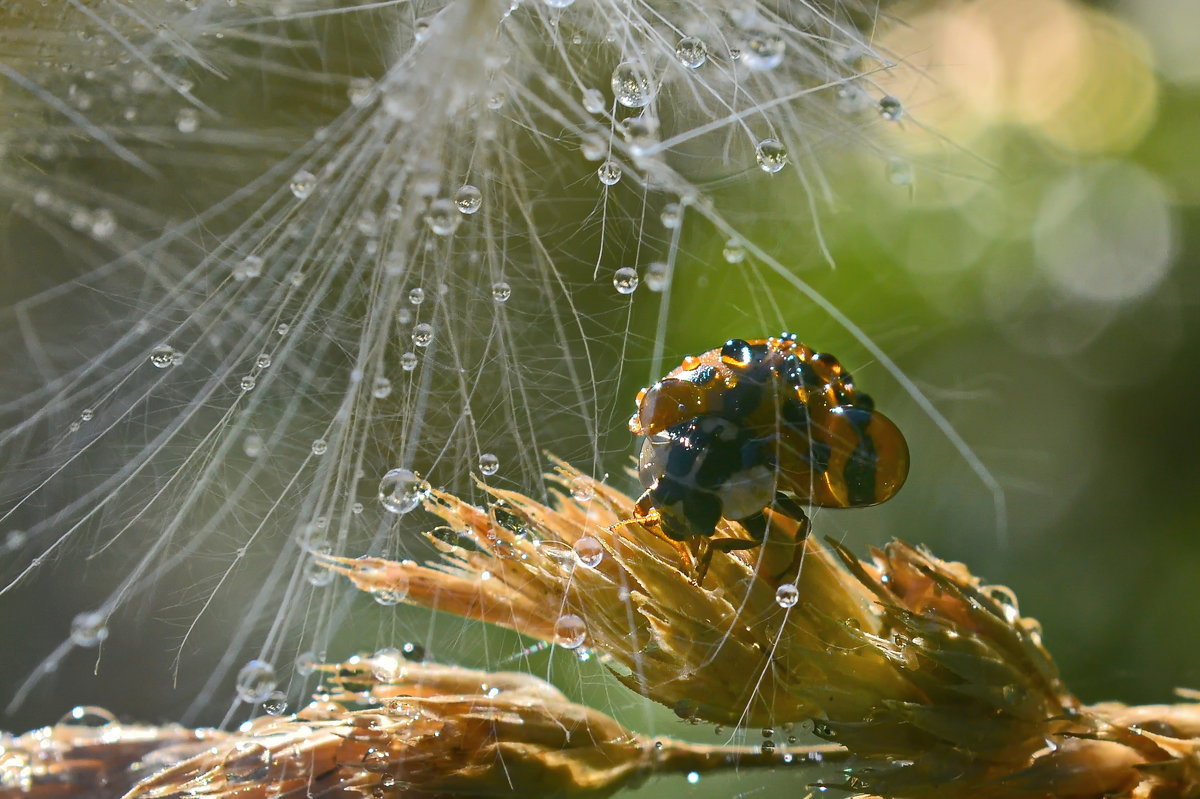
[
  {"x": 786, "y": 506},
  {"x": 645, "y": 514}
]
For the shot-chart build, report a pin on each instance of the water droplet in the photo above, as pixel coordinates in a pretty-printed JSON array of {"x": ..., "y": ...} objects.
[
  {"x": 408, "y": 361},
  {"x": 386, "y": 664},
  {"x": 582, "y": 491},
  {"x": 104, "y": 224},
  {"x": 319, "y": 446},
  {"x": 468, "y": 199},
  {"x": 559, "y": 3},
  {"x": 609, "y": 173},
  {"x": 316, "y": 574},
  {"x": 87, "y": 414},
  {"x": 640, "y": 131},
  {"x": 359, "y": 91},
  {"x": 247, "y": 761},
  {"x": 283, "y": 328},
  {"x": 393, "y": 594},
  {"x": 625, "y": 280},
  {"x": 89, "y": 628},
  {"x": 255, "y": 681},
  {"x": 489, "y": 464},
  {"x": 593, "y": 147},
  {"x": 632, "y": 85},
  {"x": 589, "y": 552},
  {"x": 593, "y": 101},
  {"x": 772, "y": 155},
  {"x": 693, "y": 777},
  {"x": 303, "y": 183},
  {"x": 768, "y": 747},
  {"x": 402, "y": 490},
  {"x": 672, "y": 215},
  {"x": 501, "y": 291},
  {"x": 422, "y": 334},
  {"x": 899, "y": 172},
  {"x": 890, "y": 108},
  {"x": 416, "y": 296},
  {"x": 443, "y": 217},
  {"x": 691, "y": 52},
  {"x": 87, "y": 716},
  {"x": 734, "y": 252},
  {"x": 763, "y": 50},
  {"x": 306, "y": 663},
  {"x": 163, "y": 356},
  {"x": 275, "y": 704},
  {"x": 187, "y": 120},
  {"x": 381, "y": 388},
  {"x": 569, "y": 631},
  {"x": 247, "y": 382},
  {"x": 252, "y": 445},
  {"x": 787, "y": 595},
  {"x": 656, "y": 276}
]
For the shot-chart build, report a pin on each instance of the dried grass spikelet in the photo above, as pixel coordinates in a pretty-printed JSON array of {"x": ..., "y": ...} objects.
[
  {"x": 932, "y": 681},
  {"x": 433, "y": 730}
]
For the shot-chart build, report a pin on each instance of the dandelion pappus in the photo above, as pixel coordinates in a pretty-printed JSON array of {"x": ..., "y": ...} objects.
[{"x": 758, "y": 425}]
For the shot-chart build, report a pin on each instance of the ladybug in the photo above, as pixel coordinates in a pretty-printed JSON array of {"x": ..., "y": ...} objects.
[{"x": 758, "y": 425}]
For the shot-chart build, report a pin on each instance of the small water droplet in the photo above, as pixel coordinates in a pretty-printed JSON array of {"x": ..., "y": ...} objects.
[
  {"x": 489, "y": 464},
  {"x": 187, "y": 120},
  {"x": 468, "y": 199},
  {"x": 656, "y": 276},
  {"x": 443, "y": 217},
  {"x": 501, "y": 291},
  {"x": 890, "y": 108},
  {"x": 402, "y": 490},
  {"x": 381, "y": 388},
  {"x": 319, "y": 446},
  {"x": 772, "y": 155},
  {"x": 255, "y": 681},
  {"x": 408, "y": 361},
  {"x": 625, "y": 280},
  {"x": 734, "y": 252},
  {"x": 315, "y": 573},
  {"x": 593, "y": 147},
  {"x": 89, "y": 628},
  {"x": 247, "y": 382},
  {"x": 582, "y": 491},
  {"x": 593, "y": 101},
  {"x": 283, "y": 328},
  {"x": 162, "y": 356},
  {"x": 275, "y": 704},
  {"x": 767, "y": 747},
  {"x": 306, "y": 663},
  {"x": 609, "y": 173},
  {"x": 632, "y": 84},
  {"x": 589, "y": 552},
  {"x": 672, "y": 216},
  {"x": 15, "y": 539},
  {"x": 763, "y": 51},
  {"x": 691, "y": 52},
  {"x": 422, "y": 334},
  {"x": 387, "y": 664},
  {"x": 570, "y": 631},
  {"x": 252, "y": 445},
  {"x": 247, "y": 761},
  {"x": 393, "y": 594},
  {"x": 787, "y": 595},
  {"x": 87, "y": 414},
  {"x": 303, "y": 183},
  {"x": 359, "y": 91},
  {"x": 416, "y": 296}
]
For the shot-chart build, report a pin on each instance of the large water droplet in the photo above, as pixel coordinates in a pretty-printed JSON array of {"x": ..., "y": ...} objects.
[
  {"x": 89, "y": 628},
  {"x": 589, "y": 552},
  {"x": 275, "y": 704},
  {"x": 632, "y": 84},
  {"x": 772, "y": 155},
  {"x": 787, "y": 595},
  {"x": 247, "y": 382},
  {"x": 489, "y": 464},
  {"x": 501, "y": 291},
  {"x": 402, "y": 490},
  {"x": 570, "y": 631},
  {"x": 468, "y": 199},
  {"x": 625, "y": 280},
  {"x": 416, "y": 296},
  {"x": 255, "y": 681},
  {"x": 691, "y": 52},
  {"x": 443, "y": 217},
  {"x": 609, "y": 173},
  {"x": 422, "y": 334},
  {"x": 162, "y": 356},
  {"x": 247, "y": 761},
  {"x": 303, "y": 183},
  {"x": 87, "y": 716}
]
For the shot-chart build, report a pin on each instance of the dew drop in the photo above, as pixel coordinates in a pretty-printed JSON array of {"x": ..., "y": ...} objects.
[
  {"x": 247, "y": 382},
  {"x": 691, "y": 52},
  {"x": 582, "y": 490},
  {"x": 162, "y": 356},
  {"x": 609, "y": 173},
  {"x": 569, "y": 631},
  {"x": 443, "y": 217},
  {"x": 559, "y": 3},
  {"x": 632, "y": 85},
  {"x": 255, "y": 681},
  {"x": 468, "y": 199},
  {"x": 87, "y": 414},
  {"x": 489, "y": 464},
  {"x": 734, "y": 252},
  {"x": 393, "y": 594},
  {"x": 381, "y": 388},
  {"x": 772, "y": 155},
  {"x": 501, "y": 291},
  {"x": 402, "y": 490},
  {"x": 890, "y": 108},
  {"x": 625, "y": 280},
  {"x": 589, "y": 552},
  {"x": 416, "y": 296},
  {"x": 252, "y": 445},
  {"x": 187, "y": 120},
  {"x": 316, "y": 574},
  {"x": 247, "y": 761},
  {"x": 672, "y": 216},
  {"x": 593, "y": 147},
  {"x": 787, "y": 595},
  {"x": 303, "y": 183},
  {"x": 306, "y": 663},
  {"x": 408, "y": 361},
  {"x": 359, "y": 91},
  {"x": 263, "y": 360},
  {"x": 275, "y": 704},
  {"x": 89, "y": 628},
  {"x": 87, "y": 716},
  {"x": 767, "y": 747},
  {"x": 422, "y": 334},
  {"x": 319, "y": 446},
  {"x": 656, "y": 276},
  {"x": 763, "y": 51},
  {"x": 593, "y": 101}
]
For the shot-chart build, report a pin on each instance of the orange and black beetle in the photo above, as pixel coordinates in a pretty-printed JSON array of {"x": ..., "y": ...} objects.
[{"x": 759, "y": 424}]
